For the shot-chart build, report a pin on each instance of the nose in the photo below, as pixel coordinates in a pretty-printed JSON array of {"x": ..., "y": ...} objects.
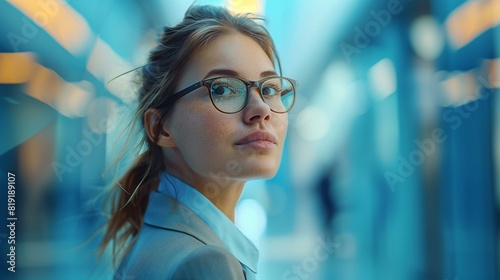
[{"x": 256, "y": 109}]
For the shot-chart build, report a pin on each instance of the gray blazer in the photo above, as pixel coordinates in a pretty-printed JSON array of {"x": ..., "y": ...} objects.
[{"x": 174, "y": 243}]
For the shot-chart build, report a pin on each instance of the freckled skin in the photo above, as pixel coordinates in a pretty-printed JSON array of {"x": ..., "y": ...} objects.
[{"x": 205, "y": 138}]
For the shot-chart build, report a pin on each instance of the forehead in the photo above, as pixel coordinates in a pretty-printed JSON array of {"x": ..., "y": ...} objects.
[{"x": 233, "y": 51}]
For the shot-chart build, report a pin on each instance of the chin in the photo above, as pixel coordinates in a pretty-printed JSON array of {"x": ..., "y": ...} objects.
[
  {"x": 258, "y": 166},
  {"x": 263, "y": 171}
]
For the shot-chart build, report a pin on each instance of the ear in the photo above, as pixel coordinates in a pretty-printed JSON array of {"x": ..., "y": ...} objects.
[{"x": 151, "y": 119}]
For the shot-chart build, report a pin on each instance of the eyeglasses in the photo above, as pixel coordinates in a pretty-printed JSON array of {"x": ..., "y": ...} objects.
[{"x": 230, "y": 94}]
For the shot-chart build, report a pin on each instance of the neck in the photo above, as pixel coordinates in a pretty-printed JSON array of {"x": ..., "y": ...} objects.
[{"x": 223, "y": 192}]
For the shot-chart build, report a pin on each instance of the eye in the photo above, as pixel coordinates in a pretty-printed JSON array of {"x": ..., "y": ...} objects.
[
  {"x": 222, "y": 90},
  {"x": 271, "y": 90}
]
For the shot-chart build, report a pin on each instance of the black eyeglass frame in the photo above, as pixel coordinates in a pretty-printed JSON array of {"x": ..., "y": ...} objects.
[{"x": 258, "y": 84}]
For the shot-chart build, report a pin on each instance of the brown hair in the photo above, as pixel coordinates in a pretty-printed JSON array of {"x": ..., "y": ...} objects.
[{"x": 128, "y": 197}]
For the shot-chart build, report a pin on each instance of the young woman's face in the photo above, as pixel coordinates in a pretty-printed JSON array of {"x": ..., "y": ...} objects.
[{"x": 208, "y": 143}]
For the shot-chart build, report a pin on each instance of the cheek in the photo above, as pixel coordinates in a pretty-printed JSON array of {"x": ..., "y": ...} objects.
[
  {"x": 202, "y": 134},
  {"x": 213, "y": 133},
  {"x": 281, "y": 124}
]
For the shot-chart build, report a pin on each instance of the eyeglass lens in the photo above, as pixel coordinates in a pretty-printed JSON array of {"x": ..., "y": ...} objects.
[{"x": 229, "y": 94}]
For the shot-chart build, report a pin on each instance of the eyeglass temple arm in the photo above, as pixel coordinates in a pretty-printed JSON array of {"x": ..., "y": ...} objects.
[
  {"x": 285, "y": 92},
  {"x": 178, "y": 95}
]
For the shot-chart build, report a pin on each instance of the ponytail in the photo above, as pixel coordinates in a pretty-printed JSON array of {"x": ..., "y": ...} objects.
[{"x": 128, "y": 200}]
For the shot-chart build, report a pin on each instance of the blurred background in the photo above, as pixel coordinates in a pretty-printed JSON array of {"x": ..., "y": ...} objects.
[{"x": 392, "y": 161}]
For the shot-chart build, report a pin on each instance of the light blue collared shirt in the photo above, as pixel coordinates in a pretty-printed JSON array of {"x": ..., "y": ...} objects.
[{"x": 236, "y": 242}]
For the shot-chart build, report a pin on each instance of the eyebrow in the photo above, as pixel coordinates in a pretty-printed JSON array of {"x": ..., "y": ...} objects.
[{"x": 229, "y": 72}]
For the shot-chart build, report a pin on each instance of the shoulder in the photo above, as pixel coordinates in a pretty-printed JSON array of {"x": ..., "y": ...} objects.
[
  {"x": 156, "y": 253},
  {"x": 166, "y": 254},
  {"x": 209, "y": 262}
]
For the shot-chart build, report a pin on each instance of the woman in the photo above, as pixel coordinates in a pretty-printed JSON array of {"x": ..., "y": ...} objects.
[{"x": 213, "y": 112}]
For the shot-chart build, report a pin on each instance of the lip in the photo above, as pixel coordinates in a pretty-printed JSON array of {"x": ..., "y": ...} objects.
[{"x": 258, "y": 139}]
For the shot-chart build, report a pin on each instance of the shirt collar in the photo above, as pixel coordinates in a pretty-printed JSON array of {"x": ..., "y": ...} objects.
[{"x": 234, "y": 240}]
